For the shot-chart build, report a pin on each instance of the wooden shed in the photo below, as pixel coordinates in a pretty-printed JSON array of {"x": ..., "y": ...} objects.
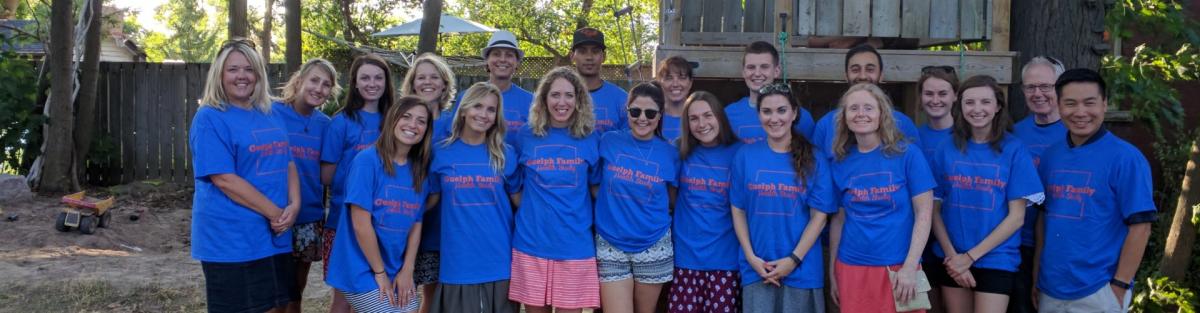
[{"x": 713, "y": 33}]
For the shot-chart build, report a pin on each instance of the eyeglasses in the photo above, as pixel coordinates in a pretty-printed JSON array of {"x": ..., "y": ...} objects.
[
  {"x": 775, "y": 89},
  {"x": 637, "y": 112},
  {"x": 238, "y": 41},
  {"x": 1042, "y": 87},
  {"x": 945, "y": 68}
]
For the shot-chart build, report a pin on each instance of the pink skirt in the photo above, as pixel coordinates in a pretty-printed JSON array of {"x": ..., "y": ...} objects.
[
  {"x": 565, "y": 284},
  {"x": 865, "y": 288}
]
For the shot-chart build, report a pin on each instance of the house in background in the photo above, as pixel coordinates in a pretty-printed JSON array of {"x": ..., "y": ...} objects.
[{"x": 115, "y": 45}]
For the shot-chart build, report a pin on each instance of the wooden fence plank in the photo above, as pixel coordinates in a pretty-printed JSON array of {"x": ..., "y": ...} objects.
[
  {"x": 943, "y": 18},
  {"x": 672, "y": 24},
  {"x": 770, "y": 18},
  {"x": 885, "y": 18},
  {"x": 727, "y": 39},
  {"x": 691, "y": 12},
  {"x": 754, "y": 22},
  {"x": 829, "y": 17},
  {"x": 973, "y": 18},
  {"x": 1000, "y": 34},
  {"x": 129, "y": 159},
  {"x": 915, "y": 16},
  {"x": 712, "y": 16},
  {"x": 178, "y": 110},
  {"x": 805, "y": 17},
  {"x": 856, "y": 18},
  {"x": 141, "y": 129},
  {"x": 734, "y": 16}
]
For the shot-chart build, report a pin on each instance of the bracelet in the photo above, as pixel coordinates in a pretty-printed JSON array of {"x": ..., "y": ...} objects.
[
  {"x": 795, "y": 258},
  {"x": 1119, "y": 283},
  {"x": 968, "y": 253},
  {"x": 379, "y": 272}
]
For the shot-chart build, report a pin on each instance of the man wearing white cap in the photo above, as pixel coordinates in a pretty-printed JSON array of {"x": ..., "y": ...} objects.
[{"x": 502, "y": 56}]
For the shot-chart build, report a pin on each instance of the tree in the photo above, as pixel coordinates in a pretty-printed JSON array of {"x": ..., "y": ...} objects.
[
  {"x": 237, "y": 19},
  {"x": 88, "y": 81},
  {"x": 55, "y": 173},
  {"x": 292, "y": 37},
  {"x": 195, "y": 34},
  {"x": 265, "y": 35},
  {"x": 430, "y": 24},
  {"x": 544, "y": 28}
]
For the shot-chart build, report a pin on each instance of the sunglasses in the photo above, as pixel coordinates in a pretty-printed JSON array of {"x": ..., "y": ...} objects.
[
  {"x": 238, "y": 41},
  {"x": 945, "y": 68},
  {"x": 637, "y": 112},
  {"x": 775, "y": 89}
]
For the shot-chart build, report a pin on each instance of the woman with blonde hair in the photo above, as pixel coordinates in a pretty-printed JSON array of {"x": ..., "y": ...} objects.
[
  {"x": 299, "y": 110},
  {"x": 554, "y": 253},
  {"x": 885, "y": 192},
  {"x": 247, "y": 193},
  {"x": 430, "y": 79},
  {"x": 372, "y": 262},
  {"x": 475, "y": 172},
  {"x": 354, "y": 128}
]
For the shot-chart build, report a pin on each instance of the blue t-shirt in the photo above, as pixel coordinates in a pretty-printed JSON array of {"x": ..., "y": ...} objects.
[
  {"x": 975, "y": 187},
  {"x": 477, "y": 218},
  {"x": 823, "y": 133},
  {"x": 633, "y": 205},
  {"x": 876, "y": 191},
  {"x": 609, "y": 105},
  {"x": 254, "y": 146},
  {"x": 516, "y": 102},
  {"x": 342, "y": 141},
  {"x": 1036, "y": 138},
  {"x": 743, "y": 118},
  {"x": 304, "y": 139},
  {"x": 932, "y": 138},
  {"x": 777, "y": 209},
  {"x": 703, "y": 233},
  {"x": 395, "y": 206},
  {"x": 670, "y": 127},
  {"x": 1090, "y": 191},
  {"x": 555, "y": 216},
  {"x": 431, "y": 228}
]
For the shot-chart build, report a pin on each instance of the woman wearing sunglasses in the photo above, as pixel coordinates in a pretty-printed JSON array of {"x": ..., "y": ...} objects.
[
  {"x": 633, "y": 202},
  {"x": 781, "y": 193}
]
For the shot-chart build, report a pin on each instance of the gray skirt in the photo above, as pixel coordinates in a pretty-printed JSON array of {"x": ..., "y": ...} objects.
[{"x": 489, "y": 297}]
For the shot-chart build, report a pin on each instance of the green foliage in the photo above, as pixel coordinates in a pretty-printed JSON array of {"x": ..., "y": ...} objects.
[
  {"x": 1163, "y": 295},
  {"x": 1144, "y": 80},
  {"x": 544, "y": 28},
  {"x": 325, "y": 18},
  {"x": 20, "y": 126},
  {"x": 195, "y": 34}
]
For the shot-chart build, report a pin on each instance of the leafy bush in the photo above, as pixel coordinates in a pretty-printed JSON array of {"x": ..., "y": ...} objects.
[{"x": 20, "y": 125}]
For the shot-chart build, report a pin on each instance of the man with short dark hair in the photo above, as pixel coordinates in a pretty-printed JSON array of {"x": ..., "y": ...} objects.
[
  {"x": 863, "y": 65},
  {"x": 760, "y": 67},
  {"x": 1099, "y": 206},
  {"x": 587, "y": 54}
]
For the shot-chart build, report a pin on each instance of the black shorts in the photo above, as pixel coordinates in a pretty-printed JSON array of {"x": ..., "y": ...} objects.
[
  {"x": 251, "y": 286},
  {"x": 986, "y": 279}
]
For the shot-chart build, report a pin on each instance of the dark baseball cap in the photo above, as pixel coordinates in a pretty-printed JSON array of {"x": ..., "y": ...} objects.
[{"x": 588, "y": 35}]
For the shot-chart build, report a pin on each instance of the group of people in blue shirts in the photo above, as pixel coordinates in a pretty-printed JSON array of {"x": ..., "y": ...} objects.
[{"x": 580, "y": 195}]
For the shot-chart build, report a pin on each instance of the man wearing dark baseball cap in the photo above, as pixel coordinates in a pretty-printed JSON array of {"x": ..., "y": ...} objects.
[{"x": 587, "y": 54}]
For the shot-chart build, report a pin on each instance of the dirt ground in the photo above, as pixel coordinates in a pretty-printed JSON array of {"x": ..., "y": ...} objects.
[{"x": 140, "y": 265}]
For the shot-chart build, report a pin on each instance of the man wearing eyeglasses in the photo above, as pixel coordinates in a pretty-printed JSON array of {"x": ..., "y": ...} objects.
[
  {"x": 760, "y": 68},
  {"x": 863, "y": 65},
  {"x": 1041, "y": 129}
]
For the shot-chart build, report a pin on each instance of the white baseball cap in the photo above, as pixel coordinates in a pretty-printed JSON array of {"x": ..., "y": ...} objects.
[{"x": 503, "y": 39}]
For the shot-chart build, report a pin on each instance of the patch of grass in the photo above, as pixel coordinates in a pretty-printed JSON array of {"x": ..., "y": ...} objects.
[{"x": 101, "y": 296}]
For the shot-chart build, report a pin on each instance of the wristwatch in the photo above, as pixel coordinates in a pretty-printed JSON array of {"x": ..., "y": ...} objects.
[{"x": 1119, "y": 283}]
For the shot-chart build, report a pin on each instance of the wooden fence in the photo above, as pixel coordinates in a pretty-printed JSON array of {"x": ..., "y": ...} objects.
[
  {"x": 737, "y": 22},
  {"x": 144, "y": 112}
]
